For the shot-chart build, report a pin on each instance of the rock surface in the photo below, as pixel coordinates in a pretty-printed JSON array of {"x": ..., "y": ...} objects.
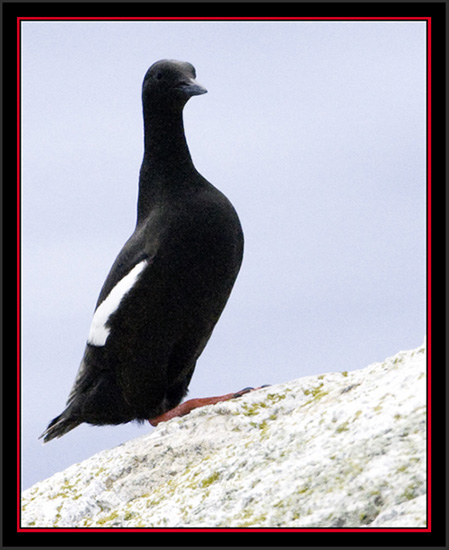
[{"x": 335, "y": 450}]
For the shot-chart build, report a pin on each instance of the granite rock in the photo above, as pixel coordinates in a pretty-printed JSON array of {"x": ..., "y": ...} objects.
[{"x": 343, "y": 449}]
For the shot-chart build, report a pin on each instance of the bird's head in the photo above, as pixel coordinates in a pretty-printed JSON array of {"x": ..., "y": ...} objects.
[{"x": 171, "y": 83}]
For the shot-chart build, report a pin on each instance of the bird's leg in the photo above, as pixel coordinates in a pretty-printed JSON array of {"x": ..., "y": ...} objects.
[{"x": 187, "y": 406}]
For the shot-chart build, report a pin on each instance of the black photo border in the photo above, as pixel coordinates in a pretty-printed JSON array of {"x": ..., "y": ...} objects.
[{"x": 13, "y": 535}]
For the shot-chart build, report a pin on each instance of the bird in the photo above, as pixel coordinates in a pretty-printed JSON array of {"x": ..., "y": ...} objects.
[{"x": 169, "y": 283}]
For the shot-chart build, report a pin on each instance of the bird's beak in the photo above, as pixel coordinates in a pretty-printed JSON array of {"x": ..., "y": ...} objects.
[{"x": 192, "y": 87}]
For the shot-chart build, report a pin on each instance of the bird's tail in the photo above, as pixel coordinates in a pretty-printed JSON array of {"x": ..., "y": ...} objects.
[{"x": 60, "y": 426}]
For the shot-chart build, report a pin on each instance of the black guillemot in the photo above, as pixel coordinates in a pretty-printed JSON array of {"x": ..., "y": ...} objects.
[{"x": 170, "y": 282}]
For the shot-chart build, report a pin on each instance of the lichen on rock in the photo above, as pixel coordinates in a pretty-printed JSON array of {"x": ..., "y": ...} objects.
[{"x": 336, "y": 450}]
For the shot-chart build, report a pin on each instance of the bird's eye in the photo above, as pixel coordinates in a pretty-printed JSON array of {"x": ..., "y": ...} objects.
[{"x": 159, "y": 76}]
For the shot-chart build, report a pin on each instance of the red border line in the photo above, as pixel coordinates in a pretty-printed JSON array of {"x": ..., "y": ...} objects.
[
  {"x": 168, "y": 18},
  {"x": 226, "y": 530},
  {"x": 429, "y": 294},
  {"x": 18, "y": 276}
]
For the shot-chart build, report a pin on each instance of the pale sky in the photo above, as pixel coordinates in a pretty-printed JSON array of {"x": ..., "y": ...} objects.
[{"x": 316, "y": 133}]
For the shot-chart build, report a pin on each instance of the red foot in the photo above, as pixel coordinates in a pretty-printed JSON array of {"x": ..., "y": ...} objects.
[{"x": 187, "y": 406}]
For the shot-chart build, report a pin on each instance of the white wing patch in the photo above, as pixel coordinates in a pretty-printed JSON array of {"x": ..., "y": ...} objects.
[{"x": 99, "y": 332}]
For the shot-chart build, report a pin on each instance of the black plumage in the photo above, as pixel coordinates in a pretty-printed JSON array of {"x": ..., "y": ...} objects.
[{"x": 170, "y": 282}]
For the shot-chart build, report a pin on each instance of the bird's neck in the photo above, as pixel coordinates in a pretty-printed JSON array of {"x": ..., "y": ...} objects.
[{"x": 167, "y": 165}]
